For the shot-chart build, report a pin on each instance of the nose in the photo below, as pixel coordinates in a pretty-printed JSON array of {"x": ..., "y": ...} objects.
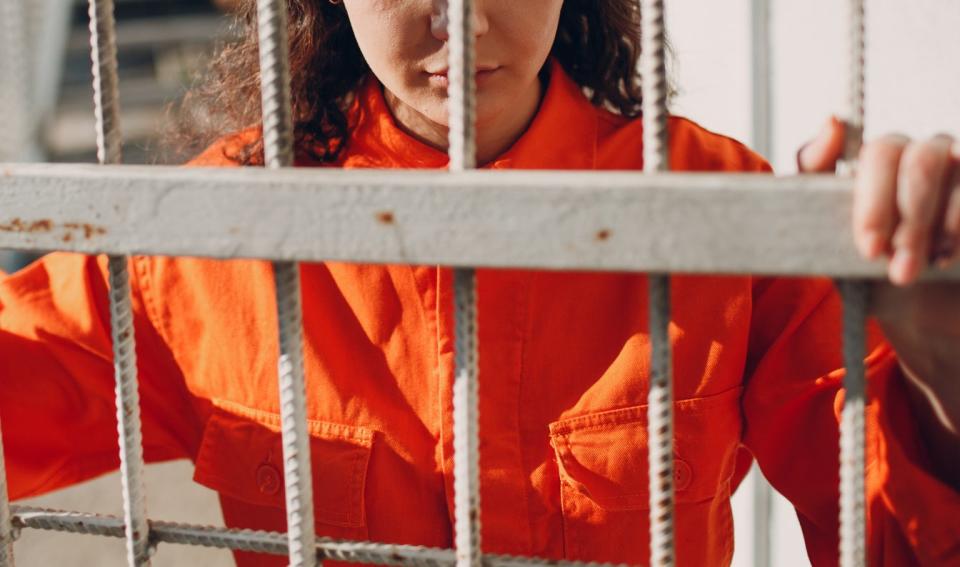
[{"x": 440, "y": 19}]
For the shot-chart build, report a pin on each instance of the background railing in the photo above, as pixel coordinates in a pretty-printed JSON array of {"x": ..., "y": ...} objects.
[{"x": 597, "y": 221}]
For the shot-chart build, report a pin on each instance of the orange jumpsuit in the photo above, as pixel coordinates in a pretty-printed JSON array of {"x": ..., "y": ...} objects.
[{"x": 564, "y": 369}]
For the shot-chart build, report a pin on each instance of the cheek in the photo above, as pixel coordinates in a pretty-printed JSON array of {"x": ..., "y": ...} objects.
[
  {"x": 395, "y": 39},
  {"x": 526, "y": 29},
  {"x": 391, "y": 34}
]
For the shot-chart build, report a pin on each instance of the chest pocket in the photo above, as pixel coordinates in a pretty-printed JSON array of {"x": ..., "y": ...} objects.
[
  {"x": 241, "y": 457},
  {"x": 603, "y": 465}
]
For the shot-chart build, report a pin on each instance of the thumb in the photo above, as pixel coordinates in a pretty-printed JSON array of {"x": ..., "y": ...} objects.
[{"x": 820, "y": 154}]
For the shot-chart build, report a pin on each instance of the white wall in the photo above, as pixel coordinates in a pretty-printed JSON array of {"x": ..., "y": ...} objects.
[{"x": 913, "y": 86}]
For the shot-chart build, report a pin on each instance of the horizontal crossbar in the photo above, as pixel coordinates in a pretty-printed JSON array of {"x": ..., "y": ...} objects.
[
  {"x": 558, "y": 220},
  {"x": 264, "y": 542}
]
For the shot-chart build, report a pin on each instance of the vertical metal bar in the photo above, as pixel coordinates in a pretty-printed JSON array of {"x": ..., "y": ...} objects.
[
  {"x": 466, "y": 407},
  {"x": 278, "y": 152},
  {"x": 107, "y": 111},
  {"x": 128, "y": 414},
  {"x": 762, "y": 126},
  {"x": 856, "y": 80},
  {"x": 762, "y": 520},
  {"x": 660, "y": 398},
  {"x": 13, "y": 102},
  {"x": 855, "y": 295},
  {"x": 761, "y": 78},
  {"x": 14, "y": 88},
  {"x": 852, "y": 436},
  {"x": 7, "y": 534}
]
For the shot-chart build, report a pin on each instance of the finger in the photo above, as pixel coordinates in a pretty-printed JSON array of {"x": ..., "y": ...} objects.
[
  {"x": 820, "y": 155},
  {"x": 948, "y": 249},
  {"x": 875, "y": 195},
  {"x": 920, "y": 198}
]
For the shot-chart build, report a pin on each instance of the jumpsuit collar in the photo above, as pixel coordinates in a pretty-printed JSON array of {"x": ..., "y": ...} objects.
[{"x": 562, "y": 135}]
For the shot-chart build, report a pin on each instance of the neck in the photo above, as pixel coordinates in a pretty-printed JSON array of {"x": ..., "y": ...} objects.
[{"x": 495, "y": 134}]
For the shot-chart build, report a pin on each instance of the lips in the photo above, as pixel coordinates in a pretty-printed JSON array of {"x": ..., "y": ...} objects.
[
  {"x": 481, "y": 69},
  {"x": 483, "y": 74}
]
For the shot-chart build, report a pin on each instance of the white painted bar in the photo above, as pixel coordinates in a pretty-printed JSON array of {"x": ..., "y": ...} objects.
[
  {"x": 853, "y": 467},
  {"x": 610, "y": 221},
  {"x": 656, "y": 160},
  {"x": 278, "y": 136},
  {"x": 273, "y": 543},
  {"x": 762, "y": 142},
  {"x": 462, "y": 142},
  {"x": 106, "y": 98}
]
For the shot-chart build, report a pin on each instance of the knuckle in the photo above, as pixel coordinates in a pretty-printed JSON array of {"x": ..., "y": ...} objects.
[{"x": 912, "y": 236}]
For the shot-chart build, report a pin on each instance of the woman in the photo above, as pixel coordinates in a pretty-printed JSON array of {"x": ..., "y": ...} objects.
[{"x": 564, "y": 355}]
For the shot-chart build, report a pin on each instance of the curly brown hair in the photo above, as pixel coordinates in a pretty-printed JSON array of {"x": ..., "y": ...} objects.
[{"x": 597, "y": 43}]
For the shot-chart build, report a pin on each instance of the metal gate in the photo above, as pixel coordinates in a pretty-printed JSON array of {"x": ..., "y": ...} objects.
[{"x": 382, "y": 217}]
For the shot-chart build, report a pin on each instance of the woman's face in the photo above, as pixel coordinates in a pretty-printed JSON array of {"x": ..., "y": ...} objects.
[{"x": 404, "y": 42}]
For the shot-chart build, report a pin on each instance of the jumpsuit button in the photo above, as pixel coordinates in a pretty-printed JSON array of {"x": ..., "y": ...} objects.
[
  {"x": 682, "y": 474},
  {"x": 268, "y": 479}
]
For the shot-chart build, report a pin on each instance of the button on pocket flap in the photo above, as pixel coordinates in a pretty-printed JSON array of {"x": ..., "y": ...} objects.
[
  {"x": 604, "y": 455},
  {"x": 242, "y": 456}
]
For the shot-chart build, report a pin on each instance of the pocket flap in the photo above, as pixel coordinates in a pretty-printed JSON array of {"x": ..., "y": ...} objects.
[
  {"x": 604, "y": 456},
  {"x": 242, "y": 456}
]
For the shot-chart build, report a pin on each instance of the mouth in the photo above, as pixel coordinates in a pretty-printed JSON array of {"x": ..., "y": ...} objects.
[{"x": 482, "y": 75}]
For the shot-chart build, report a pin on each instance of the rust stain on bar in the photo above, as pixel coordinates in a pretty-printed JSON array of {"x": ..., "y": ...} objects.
[
  {"x": 46, "y": 225},
  {"x": 89, "y": 230},
  {"x": 20, "y": 225}
]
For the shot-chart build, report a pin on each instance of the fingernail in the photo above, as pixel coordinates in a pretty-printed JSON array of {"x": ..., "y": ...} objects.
[
  {"x": 955, "y": 150},
  {"x": 903, "y": 267}
]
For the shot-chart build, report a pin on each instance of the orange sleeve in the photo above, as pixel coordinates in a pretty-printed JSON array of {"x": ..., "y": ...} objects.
[
  {"x": 56, "y": 378},
  {"x": 792, "y": 404}
]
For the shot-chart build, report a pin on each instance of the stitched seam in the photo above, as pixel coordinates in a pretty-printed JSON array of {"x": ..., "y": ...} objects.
[
  {"x": 615, "y": 417},
  {"x": 317, "y": 428}
]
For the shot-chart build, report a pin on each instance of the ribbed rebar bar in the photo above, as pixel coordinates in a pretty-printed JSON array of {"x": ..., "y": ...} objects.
[
  {"x": 278, "y": 152},
  {"x": 273, "y": 543},
  {"x": 855, "y": 296},
  {"x": 106, "y": 83},
  {"x": 295, "y": 437},
  {"x": 853, "y": 509},
  {"x": 660, "y": 398},
  {"x": 275, "y": 96},
  {"x": 128, "y": 414},
  {"x": 462, "y": 85},
  {"x": 466, "y": 446},
  {"x": 466, "y": 406},
  {"x": 856, "y": 80}
]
